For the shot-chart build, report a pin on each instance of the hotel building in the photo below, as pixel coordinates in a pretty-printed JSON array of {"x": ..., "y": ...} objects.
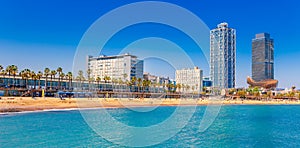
[
  {"x": 190, "y": 77},
  {"x": 262, "y": 57},
  {"x": 122, "y": 67},
  {"x": 222, "y": 56}
]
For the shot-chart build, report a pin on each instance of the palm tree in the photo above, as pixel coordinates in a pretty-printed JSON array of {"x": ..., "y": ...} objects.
[
  {"x": 146, "y": 84},
  {"x": 21, "y": 75},
  {"x": 70, "y": 77},
  {"x": 12, "y": 70},
  {"x": 133, "y": 81},
  {"x": 61, "y": 77},
  {"x": 25, "y": 75},
  {"x": 4, "y": 73},
  {"x": 39, "y": 75},
  {"x": 46, "y": 73},
  {"x": 153, "y": 85},
  {"x": 187, "y": 88},
  {"x": 33, "y": 77},
  {"x": 1, "y": 68},
  {"x": 8, "y": 70},
  {"x": 120, "y": 82},
  {"x": 172, "y": 86},
  {"x": 14, "y": 73},
  {"x": 168, "y": 87},
  {"x": 193, "y": 89},
  {"x": 125, "y": 76},
  {"x": 139, "y": 80},
  {"x": 59, "y": 70},
  {"x": 183, "y": 87},
  {"x": 98, "y": 79},
  {"x": 178, "y": 86},
  {"x": 52, "y": 76},
  {"x": 114, "y": 82},
  {"x": 89, "y": 71},
  {"x": 91, "y": 80},
  {"x": 106, "y": 80},
  {"x": 204, "y": 90},
  {"x": 80, "y": 77}
]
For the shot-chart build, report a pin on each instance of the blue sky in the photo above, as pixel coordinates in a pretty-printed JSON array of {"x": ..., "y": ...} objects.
[{"x": 37, "y": 34}]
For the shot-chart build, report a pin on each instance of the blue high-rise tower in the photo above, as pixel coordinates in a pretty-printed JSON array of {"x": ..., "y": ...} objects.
[{"x": 222, "y": 56}]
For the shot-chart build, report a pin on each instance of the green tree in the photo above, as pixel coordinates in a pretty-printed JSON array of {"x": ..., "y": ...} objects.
[
  {"x": 133, "y": 81},
  {"x": 80, "y": 77},
  {"x": 187, "y": 87},
  {"x": 33, "y": 78},
  {"x": 179, "y": 86},
  {"x": 89, "y": 71},
  {"x": 46, "y": 74},
  {"x": 39, "y": 75},
  {"x": 171, "y": 87},
  {"x": 139, "y": 80},
  {"x": 241, "y": 93},
  {"x": 61, "y": 78},
  {"x": 52, "y": 76},
  {"x": 59, "y": 71},
  {"x": 70, "y": 78},
  {"x": 14, "y": 73},
  {"x": 12, "y": 70},
  {"x": 25, "y": 74},
  {"x": 146, "y": 84},
  {"x": 193, "y": 89},
  {"x": 106, "y": 79},
  {"x": 183, "y": 86},
  {"x": 1, "y": 68},
  {"x": 98, "y": 79}
]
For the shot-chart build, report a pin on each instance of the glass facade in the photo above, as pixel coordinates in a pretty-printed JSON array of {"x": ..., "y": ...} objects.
[
  {"x": 262, "y": 57},
  {"x": 222, "y": 56}
]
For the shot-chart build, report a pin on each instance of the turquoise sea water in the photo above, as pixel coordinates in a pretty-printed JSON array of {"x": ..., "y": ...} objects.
[{"x": 235, "y": 126}]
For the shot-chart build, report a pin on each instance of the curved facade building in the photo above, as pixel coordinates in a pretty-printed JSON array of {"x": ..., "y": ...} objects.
[{"x": 268, "y": 84}]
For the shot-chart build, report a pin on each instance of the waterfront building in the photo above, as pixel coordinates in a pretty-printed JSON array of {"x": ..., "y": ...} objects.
[
  {"x": 222, "y": 56},
  {"x": 163, "y": 80},
  {"x": 207, "y": 82},
  {"x": 152, "y": 78},
  {"x": 191, "y": 79},
  {"x": 122, "y": 67},
  {"x": 262, "y": 57},
  {"x": 157, "y": 79}
]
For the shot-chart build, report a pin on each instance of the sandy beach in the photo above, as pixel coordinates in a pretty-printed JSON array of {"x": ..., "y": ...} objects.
[{"x": 19, "y": 104}]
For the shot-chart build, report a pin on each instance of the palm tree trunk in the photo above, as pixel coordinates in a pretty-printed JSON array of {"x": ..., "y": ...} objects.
[
  {"x": 14, "y": 81},
  {"x": 34, "y": 84},
  {"x": 51, "y": 83},
  {"x": 46, "y": 81},
  {"x": 39, "y": 83}
]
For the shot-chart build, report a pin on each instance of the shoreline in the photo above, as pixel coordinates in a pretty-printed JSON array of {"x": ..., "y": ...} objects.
[{"x": 27, "y": 104}]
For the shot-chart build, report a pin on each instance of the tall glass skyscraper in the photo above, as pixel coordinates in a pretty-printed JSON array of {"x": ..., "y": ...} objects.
[
  {"x": 262, "y": 57},
  {"x": 222, "y": 56}
]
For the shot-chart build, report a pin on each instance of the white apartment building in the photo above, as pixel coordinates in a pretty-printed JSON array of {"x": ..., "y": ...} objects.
[
  {"x": 192, "y": 78},
  {"x": 122, "y": 67}
]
